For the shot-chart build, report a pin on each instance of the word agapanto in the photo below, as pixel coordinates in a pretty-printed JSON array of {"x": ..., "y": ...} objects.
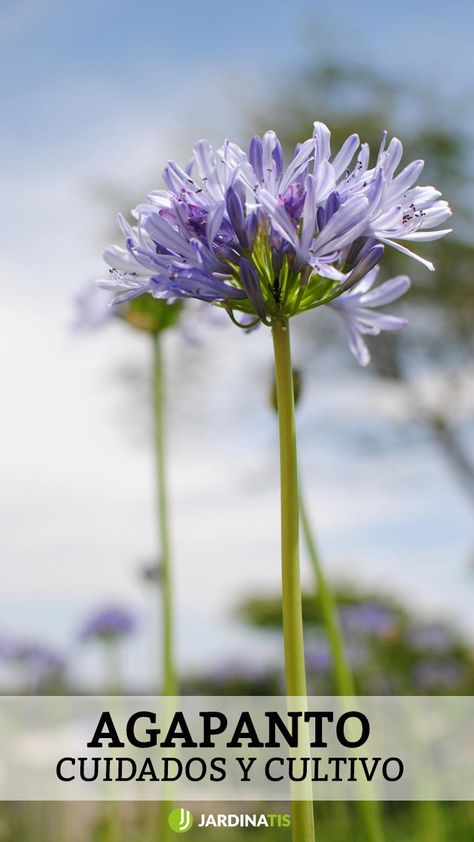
[{"x": 352, "y": 729}]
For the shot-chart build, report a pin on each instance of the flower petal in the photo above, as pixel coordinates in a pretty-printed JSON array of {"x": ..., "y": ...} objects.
[{"x": 386, "y": 293}]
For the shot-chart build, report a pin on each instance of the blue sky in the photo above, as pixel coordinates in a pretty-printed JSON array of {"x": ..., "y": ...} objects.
[
  {"x": 66, "y": 64},
  {"x": 104, "y": 92}
]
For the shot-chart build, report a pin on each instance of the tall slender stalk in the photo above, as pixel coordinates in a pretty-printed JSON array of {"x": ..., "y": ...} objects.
[
  {"x": 169, "y": 682},
  {"x": 302, "y": 811},
  {"x": 344, "y": 681}
]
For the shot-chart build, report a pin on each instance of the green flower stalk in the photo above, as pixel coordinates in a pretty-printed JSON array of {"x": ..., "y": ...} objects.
[
  {"x": 295, "y": 671},
  {"x": 369, "y": 810},
  {"x": 169, "y": 675},
  {"x": 153, "y": 318},
  {"x": 343, "y": 678},
  {"x": 170, "y": 681},
  {"x": 108, "y": 627}
]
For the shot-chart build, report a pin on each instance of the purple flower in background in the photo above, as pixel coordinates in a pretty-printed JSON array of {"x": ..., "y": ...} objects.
[
  {"x": 39, "y": 654},
  {"x": 357, "y": 653},
  {"x": 434, "y": 637},
  {"x": 438, "y": 675},
  {"x": 238, "y": 671},
  {"x": 6, "y": 648},
  {"x": 356, "y": 308},
  {"x": 109, "y": 623},
  {"x": 40, "y": 664},
  {"x": 92, "y": 308},
  {"x": 245, "y": 232},
  {"x": 378, "y": 684},
  {"x": 368, "y": 618},
  {"x": 318, "y": 657}
]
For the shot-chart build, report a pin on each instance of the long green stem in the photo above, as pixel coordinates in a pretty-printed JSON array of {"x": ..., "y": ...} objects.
[
  {"x": 302, "y": 811},
  {"x": 342, "y": 672},
  {"x": 169, "y": 681},
  {"x": 344, "y": 681}
]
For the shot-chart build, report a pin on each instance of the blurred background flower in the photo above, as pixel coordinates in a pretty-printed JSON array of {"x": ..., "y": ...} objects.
[
  {"x": 109, "y": 627},
  {"x": 30, "y": 666},
  {"x": 109, "y": 623}
]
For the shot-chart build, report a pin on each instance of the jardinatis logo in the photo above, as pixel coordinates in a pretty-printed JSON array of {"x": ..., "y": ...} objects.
[{"x": 181, "y": 820}]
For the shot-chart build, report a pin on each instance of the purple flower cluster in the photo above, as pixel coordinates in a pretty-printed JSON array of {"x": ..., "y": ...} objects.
[
  {"x": 319, "y": 658},
  {"x": 369, "y": 618},
  {"x": 39, "y": 662},
  {"x": 109, "y": 623},
  {"x": 432, "y": 637},
  {"x": 245, "y": 232},
  {"x": 431, "y": 675}
]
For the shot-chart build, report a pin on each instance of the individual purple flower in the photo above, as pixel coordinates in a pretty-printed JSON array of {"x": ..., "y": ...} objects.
[
  {"x": 398, "y": 210},
  {"x": 109, "y": 623},
  {"x": 356, "y": 308},
  {"x": 268, "y": 241}
]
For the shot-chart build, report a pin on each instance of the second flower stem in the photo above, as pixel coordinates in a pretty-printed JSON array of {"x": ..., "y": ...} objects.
[
  {"x": 169, "y": 679},
  {"x": 295, "y": 672},
  {"x": 369, "y": 810},
  {"x": 330, "y": 615}
]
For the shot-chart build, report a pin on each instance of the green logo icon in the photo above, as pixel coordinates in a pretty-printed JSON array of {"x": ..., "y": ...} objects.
[{"x": 180, "y": 820}]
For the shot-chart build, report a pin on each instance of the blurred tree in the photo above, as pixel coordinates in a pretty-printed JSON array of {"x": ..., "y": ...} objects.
[
  {"x": 440, "y": 306},
  {"x": 390, "y": 648}
]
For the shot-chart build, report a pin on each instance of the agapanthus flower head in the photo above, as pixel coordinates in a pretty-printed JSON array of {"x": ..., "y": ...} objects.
[
  {"x": 108, "y": 624},
  {"x": 244, "y": 231}
]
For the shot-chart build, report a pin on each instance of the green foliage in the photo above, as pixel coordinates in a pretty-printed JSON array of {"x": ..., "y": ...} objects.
[
  {"x": 336, "y": 821},
  {"x": 393, "y": 650}
]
